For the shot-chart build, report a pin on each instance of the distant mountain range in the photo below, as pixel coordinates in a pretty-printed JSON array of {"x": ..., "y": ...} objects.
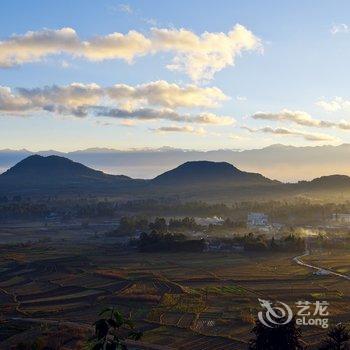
[
  {"x": 284, "y": 163},
  {"x": 40, "y": 175}
]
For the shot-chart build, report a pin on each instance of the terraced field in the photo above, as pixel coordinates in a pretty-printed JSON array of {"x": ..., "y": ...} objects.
[{"x": 198, "y": 301}]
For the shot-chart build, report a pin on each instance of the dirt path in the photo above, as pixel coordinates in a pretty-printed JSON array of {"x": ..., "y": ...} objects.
[{"x": 298, "y": 260}]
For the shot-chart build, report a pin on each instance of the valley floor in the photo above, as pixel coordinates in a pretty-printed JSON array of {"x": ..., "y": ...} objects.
[{"x": 204, "y": 301}]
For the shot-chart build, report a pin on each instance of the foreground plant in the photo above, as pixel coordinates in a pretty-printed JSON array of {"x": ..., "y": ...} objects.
[
  {"x": 110, "y": 331},
  {"x": 281, "y": 337},
  {"x": 337, "y": 338}
]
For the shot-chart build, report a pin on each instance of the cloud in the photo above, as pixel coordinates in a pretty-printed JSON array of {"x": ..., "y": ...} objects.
[
  {"x": 304, "y": 119},
  {"x": 82, "y": 100},
  {"x": 162, "y": 93},
  {"x": 211, "y": 118},
  {"x": 237, "y": 137},
  {"x": 65, "y": 64},
  {"x": 158, "y": 93},
  {"x": 73, "y": 95},
  {"x": 202, "y": 56},
  {"x": 199, "y": 56},
  {"x": 182, "y": 129},
  {"x": 337, "y": 104},
  {"x": 125, "y": 8},
  {"x": 340, "y": 28},
  {"x": 163, "y": 114},
  {"x": 297, "y": 117},
  {"x": 73, "y": 99},
  {"x": 34, "y": 46},
  {"x": 9, "y": 102},
  {"x": 289, "y": 132}
]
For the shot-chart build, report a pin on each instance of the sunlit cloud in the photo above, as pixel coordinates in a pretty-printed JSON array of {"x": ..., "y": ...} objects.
[
  {"x": 158, "y": 93},
  {"x": 162, "y": 93},
  {"x": 83, "y": 100},
  {"x": 237, "y": 137},
  {"x": 301, "y": 118},
  {"x": 128, "y": 122},
  {"x": 163, "y": 114},
  {"x": 297, "y": 117},
  {"x": 199, "y": 56},
  {"x": 180, "y": 129},
  {"x": 290, "y": 132},
  {"x": 202, "y": 56}
]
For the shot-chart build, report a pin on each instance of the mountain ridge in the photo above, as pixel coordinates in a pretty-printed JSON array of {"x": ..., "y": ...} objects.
[
  {"x": 281, "y": 162},
  {"x": 40, "y": 170},
  {"x": 195, "y": 179},
  {"x": 206, "y": 171}
]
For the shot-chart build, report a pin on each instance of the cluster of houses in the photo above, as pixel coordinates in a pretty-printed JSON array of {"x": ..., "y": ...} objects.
[
  {"x": 257, "y": 220},
  {"x": 342, "y": 219},
  {"x": 215, "y": 220},
  {"x": 217, "y": 246}
]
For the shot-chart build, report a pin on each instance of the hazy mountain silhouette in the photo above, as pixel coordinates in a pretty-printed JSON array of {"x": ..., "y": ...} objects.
[
  {"x": 284, "y": 163},
  {"x": 192, "y": 180},
  {"x": 205, "y": 172},
  {"x": 328, "y": 182},
  {"x": 39, "y": 171}
]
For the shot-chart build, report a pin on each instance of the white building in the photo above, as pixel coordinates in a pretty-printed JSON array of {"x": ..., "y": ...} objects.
[
  {"x": 341, "y": 218},
  {"x": 257, "y": 220},
  {"x": 209, "y": 221}
]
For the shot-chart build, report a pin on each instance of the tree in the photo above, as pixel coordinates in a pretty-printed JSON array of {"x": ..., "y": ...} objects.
[
  {"x": 159, "y": 225},
  {"x": 279, "y": 337},
  {"x": 108, "y": 331},
  {"x": 337, "y": 338}
]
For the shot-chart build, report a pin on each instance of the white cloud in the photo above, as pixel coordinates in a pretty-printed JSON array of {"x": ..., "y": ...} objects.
[
  {"x": 343, "y": 124},
  {"x": 211, "y": 118},
  {"x": 116, "y": 46},
  {"x": 162, "y": 93},
  {"x": 298, "y": 117},
  {"x": 10, "y": 102},
  {"x": 34, "y": 46},
  {"x": 65, "y": 64},
  {"x": 125, "y": 8},
  {"x": 340, "y": 28},
  {"x": 91, "y": 99},
  {"x": 199, "y": 56},
  {"x": 304, "y": 119},
  {"x": 128, "y": 122},
  {"x": 337, "y": 104},
  {"x": 290, "y": 132},
  {"x": 237, "y": 137},
  {"x": 202, "y": 56},
  {"x": 73, "y": 95},
  {"x": 181, "y": 129},
  {"x": 163, "y": 114}
]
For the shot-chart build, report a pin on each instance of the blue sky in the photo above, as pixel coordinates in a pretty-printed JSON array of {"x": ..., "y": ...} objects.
[{"x": 297, "y": 75}]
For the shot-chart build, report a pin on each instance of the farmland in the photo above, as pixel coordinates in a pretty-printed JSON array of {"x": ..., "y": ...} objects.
[{"x": 181, "y": 300}]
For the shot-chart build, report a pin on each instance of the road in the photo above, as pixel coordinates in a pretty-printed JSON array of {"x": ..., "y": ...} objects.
[{"x": 298, "y": 260}]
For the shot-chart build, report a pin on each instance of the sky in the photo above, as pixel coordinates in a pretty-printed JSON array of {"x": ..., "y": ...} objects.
[{"x": 184, "y": 74}]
